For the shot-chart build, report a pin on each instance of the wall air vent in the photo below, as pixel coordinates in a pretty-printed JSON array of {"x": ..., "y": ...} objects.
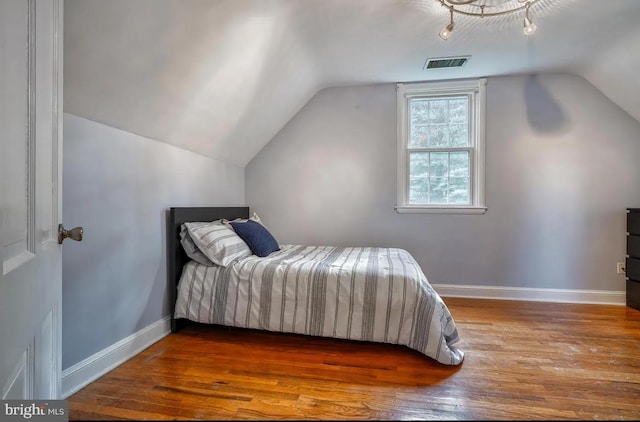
[{"x": 446, "y": 62}]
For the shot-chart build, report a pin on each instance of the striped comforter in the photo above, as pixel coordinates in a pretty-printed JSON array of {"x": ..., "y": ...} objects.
[{"x": 371, "y": 294}]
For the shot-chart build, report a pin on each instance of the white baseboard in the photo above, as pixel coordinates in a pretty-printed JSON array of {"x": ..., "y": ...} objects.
[
  {"x": 602, "y": 297},
  {"x": 82, "y": 373}
]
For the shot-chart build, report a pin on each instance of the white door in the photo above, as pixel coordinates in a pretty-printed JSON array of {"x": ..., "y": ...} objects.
[{"x": 30, "y": 198}]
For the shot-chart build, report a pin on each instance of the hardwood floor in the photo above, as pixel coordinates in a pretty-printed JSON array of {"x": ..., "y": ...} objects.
[{"x": 523, "y": 360}]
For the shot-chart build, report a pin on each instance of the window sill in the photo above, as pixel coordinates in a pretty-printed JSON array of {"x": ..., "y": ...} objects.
[{"x": 439, "y": 210}]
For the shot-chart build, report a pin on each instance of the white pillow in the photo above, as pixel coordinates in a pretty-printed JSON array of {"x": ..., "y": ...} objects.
[
  {"x": 253, "y": 217},
  {"x": 218, "y": 242},
  {"x": 191, "y": 249}
]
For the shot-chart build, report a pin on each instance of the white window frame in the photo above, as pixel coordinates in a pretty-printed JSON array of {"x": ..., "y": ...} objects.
[{"x": 476, "y": 90}]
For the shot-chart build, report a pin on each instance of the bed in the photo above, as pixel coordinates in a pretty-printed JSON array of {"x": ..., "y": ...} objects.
[{"x": 357, "y": 293}]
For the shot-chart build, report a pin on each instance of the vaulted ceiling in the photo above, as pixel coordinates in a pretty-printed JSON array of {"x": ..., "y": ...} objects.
[{"x": 221, "y": 77}]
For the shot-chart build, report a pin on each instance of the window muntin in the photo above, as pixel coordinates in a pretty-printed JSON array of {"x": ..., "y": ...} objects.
[
  {"x": 441, "y": 177},
  {"x": 438, "y": 151},
  {"x": 439, "y": 122}
]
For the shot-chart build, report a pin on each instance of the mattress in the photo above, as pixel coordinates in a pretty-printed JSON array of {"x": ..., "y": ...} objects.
[{"x": 357, "y": 293}]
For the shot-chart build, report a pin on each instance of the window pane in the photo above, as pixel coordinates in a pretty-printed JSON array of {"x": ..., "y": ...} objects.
[
  {"x": 438, "y": 111},
  {"x": 418, "y": 190},
  {"x": 419, "y": 111},
  {"x": 459, "y": 110},
  {"x": 459, "y": 164},
  {"x": 459, "y": 190},
  {"x": 419, "y": 164},
  {"x": 438, "y": 136},
  {"x": 419, "y": 136},
  {"x": 459, "y": 135},
  {"x": 418, "y": 130},
  {"x": 439, "y": 164},
  {"x": 438, "y": 187},
  {"x": 419, "y": 177}
]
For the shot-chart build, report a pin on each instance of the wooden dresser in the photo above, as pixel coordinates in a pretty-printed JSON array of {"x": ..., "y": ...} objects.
[{"x": 633, "y": 257}]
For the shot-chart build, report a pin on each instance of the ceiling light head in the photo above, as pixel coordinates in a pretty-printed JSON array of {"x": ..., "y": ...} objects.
[
  {"x": 446, "y": 31},
  {"x": 529, "y": 26}
]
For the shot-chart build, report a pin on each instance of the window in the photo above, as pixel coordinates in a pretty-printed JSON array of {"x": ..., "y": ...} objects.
[{"x": 441, "y": 147}]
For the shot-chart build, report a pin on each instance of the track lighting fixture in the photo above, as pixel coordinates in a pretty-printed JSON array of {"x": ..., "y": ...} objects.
[{"x": 487, "y": 8}]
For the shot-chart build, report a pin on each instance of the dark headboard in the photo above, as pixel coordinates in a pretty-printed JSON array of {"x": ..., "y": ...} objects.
[{"x": 176, "y": 257}]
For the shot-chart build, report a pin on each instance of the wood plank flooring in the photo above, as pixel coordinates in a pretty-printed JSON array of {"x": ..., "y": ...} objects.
[{"x": 523, "y": 360}]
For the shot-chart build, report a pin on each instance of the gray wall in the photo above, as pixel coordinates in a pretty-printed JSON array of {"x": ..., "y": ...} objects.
[
  {"x": 562, "y": 166},
  {"x": 118, "y": 186}
]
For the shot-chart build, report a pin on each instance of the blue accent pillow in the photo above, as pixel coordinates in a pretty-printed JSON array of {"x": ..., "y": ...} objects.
[{"x": 260, "y": 241}]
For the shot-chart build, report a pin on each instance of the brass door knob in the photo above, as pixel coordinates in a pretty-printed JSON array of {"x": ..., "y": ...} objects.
[{"x": 75, "y": 233}]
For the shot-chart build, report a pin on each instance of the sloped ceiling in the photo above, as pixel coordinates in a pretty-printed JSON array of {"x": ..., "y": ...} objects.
[{"x": 221, "y": 77}]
